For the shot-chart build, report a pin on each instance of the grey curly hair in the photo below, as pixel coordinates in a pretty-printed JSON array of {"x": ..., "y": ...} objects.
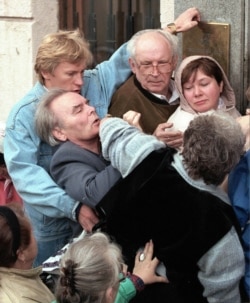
[{"x": 212, "y": 146}]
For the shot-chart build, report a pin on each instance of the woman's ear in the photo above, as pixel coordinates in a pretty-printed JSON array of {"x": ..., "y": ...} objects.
[
  {"x": 111, "y": 295},
  {"x": 21, "y": 255}
]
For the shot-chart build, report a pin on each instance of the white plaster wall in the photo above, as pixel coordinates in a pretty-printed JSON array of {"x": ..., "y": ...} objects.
[
  {"x": 22, "y": 25},
  {"x": 167, "y": 12}
]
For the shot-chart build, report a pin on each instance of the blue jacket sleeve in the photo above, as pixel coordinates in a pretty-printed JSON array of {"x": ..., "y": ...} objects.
[
  {"x": 27, "y": 162},
  {"x": 239, "y": 194},
  {"x": 125, "y": 146},
  {"x": 101, "y": 83}
]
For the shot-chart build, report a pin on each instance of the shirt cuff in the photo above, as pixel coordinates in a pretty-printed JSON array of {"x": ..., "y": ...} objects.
[
  {"x": 137, "y": 281},
  {"x": 76, "y": 210}
]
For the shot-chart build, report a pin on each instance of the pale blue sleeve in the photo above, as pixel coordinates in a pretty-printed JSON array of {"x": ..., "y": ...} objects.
[
  {"x": 221, "y": 270},
  {"x": 101, "y": 82},
  {"x": 125, "y": 146}
]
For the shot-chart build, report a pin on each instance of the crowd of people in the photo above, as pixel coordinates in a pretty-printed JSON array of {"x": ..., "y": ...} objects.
[{"x": 136, "y": 159}]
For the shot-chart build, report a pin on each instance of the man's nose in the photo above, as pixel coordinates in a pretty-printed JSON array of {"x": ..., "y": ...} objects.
[
  {"x": 155, "y": 70},
  {"x": 79, "y": 80}
]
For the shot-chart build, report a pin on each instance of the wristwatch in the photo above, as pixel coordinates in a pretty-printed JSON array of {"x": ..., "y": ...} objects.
[{"x": 172, "y": 28}]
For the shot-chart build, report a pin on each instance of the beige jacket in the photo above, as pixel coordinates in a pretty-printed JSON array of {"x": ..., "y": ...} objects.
[
  {"x": 23, "y": 286},
  {"x": 184, "y": 113}
]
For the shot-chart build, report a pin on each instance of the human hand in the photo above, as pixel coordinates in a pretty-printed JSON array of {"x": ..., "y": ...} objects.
[
  {"x": 187, "y": 20},
  {"x": 87, "y": 218},
  {"x": 132, "y": 118},
  {"x": 165, "y": 132},
  {"x": 145, "y": 269}
]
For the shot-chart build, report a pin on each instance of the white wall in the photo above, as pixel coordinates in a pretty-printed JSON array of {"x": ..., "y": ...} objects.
[
  {"x": 167, "y": 12},
  {"x": 22, "y": 25}
]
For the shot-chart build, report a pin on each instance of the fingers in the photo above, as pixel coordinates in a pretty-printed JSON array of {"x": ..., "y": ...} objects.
[
  {"x": 161, "y": 279},
  {"x": 187, "y": 20},
  {"x": 172, "y": 137},
  {"x": 176, "y": 143},
  {"x": 131, "y": 115},
  {"x": 165, "y": 132},
  {"x": 87, "y": 218},
  {"x": 133, "y": 118},
  {"x": 149, "y": 250}
]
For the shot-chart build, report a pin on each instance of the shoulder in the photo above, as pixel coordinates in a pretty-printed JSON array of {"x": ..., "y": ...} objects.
[
  {"x": 69, "y": 153},
  {"x": 25, "y": 108},
  {"x": 126, "y": 86},
  {"x": 239, "y": 188},
  {"x": 69, "y": 150},
  {"x": 32, "y": 96}
]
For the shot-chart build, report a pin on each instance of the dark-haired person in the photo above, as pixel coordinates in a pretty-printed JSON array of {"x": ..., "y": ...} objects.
[
  {"x": 19, "y": 281},
  {"x": 204, "y": 88}
]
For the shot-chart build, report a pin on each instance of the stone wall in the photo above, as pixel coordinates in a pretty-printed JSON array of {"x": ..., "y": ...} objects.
[{"x": 22, "y": 25}]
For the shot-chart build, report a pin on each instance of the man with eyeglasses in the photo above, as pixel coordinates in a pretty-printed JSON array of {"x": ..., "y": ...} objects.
[
  {"x": 150, "y": 90},
  {"x": 62, "y": 62}
]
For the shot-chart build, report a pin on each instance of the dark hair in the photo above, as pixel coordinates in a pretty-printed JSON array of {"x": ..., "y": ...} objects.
[
  {"x": 8, "y": 234},
  {"x": 207, "y": 66}
]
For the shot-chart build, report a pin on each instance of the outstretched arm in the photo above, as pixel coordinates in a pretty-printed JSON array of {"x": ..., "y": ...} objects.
[{"x": 125, "y": 146}]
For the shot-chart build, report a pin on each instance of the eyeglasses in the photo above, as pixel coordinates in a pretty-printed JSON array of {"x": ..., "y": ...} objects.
[{"x": 148, "y": 68}]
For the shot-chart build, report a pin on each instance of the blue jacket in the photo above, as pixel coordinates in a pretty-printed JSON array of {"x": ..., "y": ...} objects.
[
  {"x": 239, "y": 193},
  {"x": 50, "y": 209}
]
